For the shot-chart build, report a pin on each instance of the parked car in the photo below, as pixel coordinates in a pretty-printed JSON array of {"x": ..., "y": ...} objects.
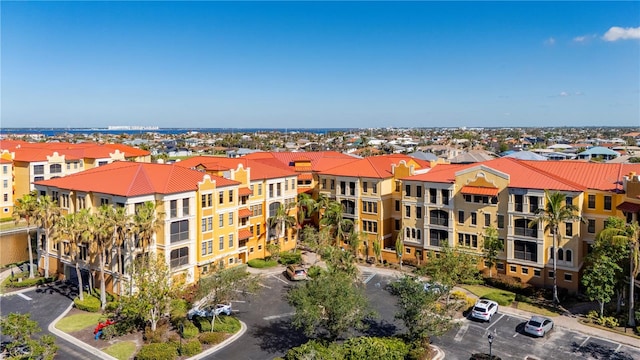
[
  {"x": 484, "y": 309},
  {"x": 296, "y": 273},
  {"x": 435, "y": 288},
  {"x": 538, "y": 326},
  {"x": 209, "y": 311}
]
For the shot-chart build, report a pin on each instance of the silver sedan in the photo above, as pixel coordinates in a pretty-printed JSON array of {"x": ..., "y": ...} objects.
[{"x": 538, "y": 326}]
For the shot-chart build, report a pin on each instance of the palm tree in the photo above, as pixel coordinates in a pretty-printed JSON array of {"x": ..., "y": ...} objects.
[
  {"x": 26, "y": 208},
  {"x": 122, "y": 230},
  {"x": 145, "y": 224},
  {"x": 306, "y": 207},
  {"x": 281, "y": 221},
  {"x": 634, "y": 268},
  {"x": 399, "y": 246},
  {"x": 47, "y": 215},
  {"x": 552, "y": 215},
  {"x": 74, "y": 227},
  {"x": 333, "y": 217},
  {"x": 377, "y": 249},
  {"x": 102, "y": 229}
]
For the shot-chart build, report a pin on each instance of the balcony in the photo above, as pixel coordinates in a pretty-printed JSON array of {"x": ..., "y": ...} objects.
[
  {"x": 438, "y": 221},
  {"x": 525, "y": 231}
]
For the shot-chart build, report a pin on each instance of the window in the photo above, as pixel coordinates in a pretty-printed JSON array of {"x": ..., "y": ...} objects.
[
  {"x": 525, "y": 250},
  {"x": 286, "y": 186},
  {"x": 333, "y": 184},
  {"x": 568, "y": 229},
  {"x": 568, "y": 255},
  {"x": 436, "y": 237},
  {"x": 518, "y": 202},
  {"x": 407, "y": 250},
  {"x": 5, "y": 169},
  {"x": 203, "y": 200},
  {"x": 398, "y": 186},
  {"x": 293, "y": 184},
  {"x": 397, "y": 205},
  {"x": 256, "y": 210},
  {"x": 512, "y": 268},
  {"x": 524, "y": 270},
  {"x": 370, "y": 226},
  {"x": 38, "y": 178},
  {"x": 419, "y": 191},
  {"x": 221, "y": 243},
  {"x": 231, "y": 196},
  {"x": 259, "y": 189},
  {"x": 179, "y": 257},
  {"x": 536, "y": 272},
  {"x": 370, "y": 207},
  {"x": 500, "y": 266},
  {"x": 407, "y": 211},
  {"x": 591, "y": 201},
  {"x": 533, "y": 204},
  {"x": 433, "y": 195},
  {"x": 487, "y": 220},
  {"x": 418, "y": 212},
  {"x": 343, "y": 188},
  {"x": 38, "y": 169},
  {"x": 407, "y": 190},
  {"x": 568, "y": 277},
  {"x": 221, "y": 197},
  {"x": 607, "y": 202},
  {"x": 474, "y": 218},
  {"x": 591, "y": 226},
  {"x": 551, "y": 274},
  {"x": 230, "y": 240},
  {"x": 203, "y": 250},
  {"x": 185, "y": 207},
  {"x": 352, "y": 188},
  {"x": 445, "y": 197},
  {"x": 5, "y": 183},
  {"x": 220, "y": 220},
  {"x": 438, "y": 217},
  {"x": 179, "y": 230},
  {"x": 173, "y": 212},
  {"x": 5, "y": 197},
  {"x": 568, "y": 200},
  {"x": 257, "y": 229},
  {"x": 203, "y": 227},
  {"x": 364, "y": 186},
  {"x": 55, "y": 168},
  {"x": 500, "y": 221},
  {"x": 270, "y": 190},
  {"x": 468, "y": 240},
  {"x": 396, "y": 224},
  {"x": 230, "y": 218},
  {"x": 279, "y": 189},
  {"x": 461, "y": 216}
]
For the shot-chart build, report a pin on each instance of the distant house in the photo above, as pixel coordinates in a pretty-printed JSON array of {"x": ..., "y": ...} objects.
[{"x": 598, "y": 152}]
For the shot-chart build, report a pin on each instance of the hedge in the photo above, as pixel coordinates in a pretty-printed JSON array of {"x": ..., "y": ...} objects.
[
  {"x": 212, "y": 338},
  {"x": 90, "y": 303},
  {"x": 290, "y": 257},
  {"x": 355, "y": 348},
  {"x": 191, "y": 348},
  {"x": 189, "y": 330},
  {"x": 227, "y": 324},
  {"x": 261, "y": 263},
  {"x": 157, "y": 351},
  {"x": 26, "y": 282}
]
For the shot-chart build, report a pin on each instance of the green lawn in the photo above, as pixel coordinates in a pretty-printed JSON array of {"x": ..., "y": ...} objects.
[
  {"x": 478, "y": 290},
  {"x": 536, "y": 309},
  {"x": 79, "y": 322},
  {"x": 122, "y": 350}
]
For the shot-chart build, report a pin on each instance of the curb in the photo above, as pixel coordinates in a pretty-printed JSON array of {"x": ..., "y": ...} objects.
[
  {"x": 20, "y": 291},
  {"x": 234, "y": 337},
  {"x": 439, "y": 353}
]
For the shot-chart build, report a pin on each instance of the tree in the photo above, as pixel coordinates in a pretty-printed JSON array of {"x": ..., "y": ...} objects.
[
  {"x": 492, "y": 246},
  {"x": 155, "y": 289},
  {"x": 333, "y": 218},
  {"x": 281, "y": 221},
  {"x": 400, "y": 246},
  {"x": 551, "y": 216},
  {"x": 146, "y": 222},
  {"x": 46, "y": 217},
  {"x": 103, "y": 228},
  {"x": 599, "y": 280},
  {"x": 122, "y": 230},
  {"x": 452, "y": 267},
  {"x": 223, "y": 285},
  {"x": 328, "y": 305},
  {"x": 306, "y": 207},
  {"x": 73, "y": 228},
  {"x": 377, "y": 249},
  {"x": 26, "y": 209},
  {"x": 21, "y": 329},
  {"x": 420, "y": 310}
]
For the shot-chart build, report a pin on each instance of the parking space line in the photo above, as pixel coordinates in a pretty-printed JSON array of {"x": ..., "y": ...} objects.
[
  {"x": 585, "y": 341},
  {"x": 618, "y": 348},
  {"x": 495, "y": 322},
  {"x": 24, "y": 296},
  {"x": 461, "y": 332},
  {"x": 273, "y": 317},
  {"x": 276, "y": 277},
  {"x": 369, "y": 278},
  {"x": 264, "y": 286}
]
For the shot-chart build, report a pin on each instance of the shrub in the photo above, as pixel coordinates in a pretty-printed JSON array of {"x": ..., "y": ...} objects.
[
  {"x": 313, "y": 350},
  {"x": 157, "y": 336},
  {"x": 478, "y": 356},
  {"x": 157, "y": 351},
  {"x": 314, "y": 271},
  {"x": 227, "y": 324},
  {"x": 290, "y": 257},
  {"x": 374, "y": 348},
  {"x": 191, "y": 348},
  {"x": 90, "y": 303},
  {"x": 178, "y": 311},
  {"x": 458, "y": 295},
  {"x": 189, "y": 330},
  {"x": 503, "y": 298},
  {"x": 593, "y": 316},
  {"x": 212, "y": 338},
  {"x": 608, "y": 321},
  {"x": 109, "y": 332},
  {"x": 261, "y": 263},
  {"x": 26, "y": 282}
]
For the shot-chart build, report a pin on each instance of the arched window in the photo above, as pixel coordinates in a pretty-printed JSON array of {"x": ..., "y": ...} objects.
[
  {"x": 551, "y": 253},
  {"x": 55, "y": 168},
  {"x": 568, "y": 255},
  {"x": 408, "y": 233},
  {"x": 560, "y": 255},
  {"x": 413, "y": 233},
  {"x": 419, "y": 234}
]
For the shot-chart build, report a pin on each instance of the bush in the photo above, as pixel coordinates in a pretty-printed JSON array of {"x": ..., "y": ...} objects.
[
  {"x": 227, "y": 324},
  {"x": 313, "y": 350},
  {"x": 608, "y": 321},
  {"x": 374, "y": 348},
  {"x": 458, "y": 295},
  {"x": 178, "y": 311},
  {"x": 290, "y": 257},
  {"x": 212, "y": 338},
  {"x": 26, "y": 282},
  {"x": 189, "y": 330},
  {"x": 593, "y": 316},
  {"x": 503, "y": 298},
  {"x": 191, "y": 348},
  {"x": 90, "y": 303},
  {"x": 262, "y": 263},
  {"x": 314, "y": 271},
  {"x": 157, "y": 336},
  {"x": 157, "y": 351}
]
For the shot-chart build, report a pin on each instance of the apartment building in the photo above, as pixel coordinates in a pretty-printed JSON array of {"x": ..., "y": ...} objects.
[{"x": 6, "y": 183}]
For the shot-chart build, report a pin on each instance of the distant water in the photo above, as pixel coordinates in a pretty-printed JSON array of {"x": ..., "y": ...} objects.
[{"x": 88, "y": 131}]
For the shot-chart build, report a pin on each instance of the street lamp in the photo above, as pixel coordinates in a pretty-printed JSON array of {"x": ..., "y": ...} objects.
[
  {"x": 181, "y": 330},
  {"x": 490, "y": 338}
]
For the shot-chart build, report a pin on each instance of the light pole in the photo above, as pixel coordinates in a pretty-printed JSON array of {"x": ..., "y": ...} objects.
[{"x": 490, "y": 338}]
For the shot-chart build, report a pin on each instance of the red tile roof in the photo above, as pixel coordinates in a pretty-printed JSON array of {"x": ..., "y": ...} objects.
[
  {"x": 245, "y": 191},
  {"x": 243, "y": 213},
  {"x": 479, "y": 190},
  {"x": 134, "y": 179},
  {"x": 320, "y": 160},
  {"x": 305, "y": 177},
  {"x": 265, "y": 168},
  {"x": 31, "y": 152},
  {"x": 244, "y": 234},
  {"x": 373, "y": 167}
]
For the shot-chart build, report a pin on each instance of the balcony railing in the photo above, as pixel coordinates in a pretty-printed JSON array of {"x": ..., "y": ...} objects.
[
  {"x": 438, "y": 221},
  {"x": 525, "y": 232}
]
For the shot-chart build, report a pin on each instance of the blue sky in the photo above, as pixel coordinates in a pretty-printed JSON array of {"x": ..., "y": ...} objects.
[{"x": 320, "y": 64}]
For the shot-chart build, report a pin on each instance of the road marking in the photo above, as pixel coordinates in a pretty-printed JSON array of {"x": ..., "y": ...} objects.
[
  {"x": 24, "y": 296},
  {"x": 368, "y": 278},
  {"x": 238, "y": 301},
  {"x": 461, "y": 332},
  {"x": 516, "y": 334},
  {"x": 618, "y": 348},
  {"x": 278, "y": 278},
  {"x": 273, "y": 317},
  {"x": 495, "y": 322},
  {"x": 585, "y": 341},
  {"x": 244, "y": 292},
  {"x": 264, "y": 286}
]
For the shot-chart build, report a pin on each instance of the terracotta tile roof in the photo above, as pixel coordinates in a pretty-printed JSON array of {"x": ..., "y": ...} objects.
[
  {"x": 305, "y": 177},
  {"x": 442, "y": 173},
  {"x": 244, "y": 212},
  {"x": 591, "y": 175},
  {"x": 5, "y": 161},
  {"x": 244, "y": 234},
  {"x": 319, "y": 159},
  {"x": 373, "y": 166},
  {"x": 245, "y": 191},
  {"x": 31, "y": 152},
  {"x": 265, "y": 168},
  {"x": 134, "y": 179},
  {"x": 479, "y": 190}
]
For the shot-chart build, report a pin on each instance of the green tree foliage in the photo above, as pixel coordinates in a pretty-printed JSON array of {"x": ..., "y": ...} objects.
[
  {"x": 21, "y": 329},
  {"x": 452, "y": 267},
  {"x": 73, "y": 230},
  {"x": 333, "y": 218},
  {"x": 377, "y": 249},
  {"x": 599, "y": 280},
  {"x": 329, "y": 305},
  {"x": 280, "y": 222},
  {"x": 26, "y": 208},
  {"x": 224, "y": 285},
  {"x": 420, "y": 310},
  {"x": 155, "y": 290},
  {"x": 47, "y": 215},
  {"x": 555, "y": 212},
  {"x": 492, "y": 246},
  {"x": 400, "y": 246}
]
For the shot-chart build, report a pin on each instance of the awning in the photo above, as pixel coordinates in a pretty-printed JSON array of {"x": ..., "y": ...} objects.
[
  {"x": 245, "y": 191},
  {"x": 629, "y": 207},
  {"x": 304, "y": 190},
  {"x": 305, "y": 176},
  {"x": 244, "y": 213},
  {"x": 244, "y": 234},
  {"x": 478, "y": 190}
]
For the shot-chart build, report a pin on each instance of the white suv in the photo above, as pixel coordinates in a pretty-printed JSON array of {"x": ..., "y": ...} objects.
[{"x": 484, "y": 309}]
